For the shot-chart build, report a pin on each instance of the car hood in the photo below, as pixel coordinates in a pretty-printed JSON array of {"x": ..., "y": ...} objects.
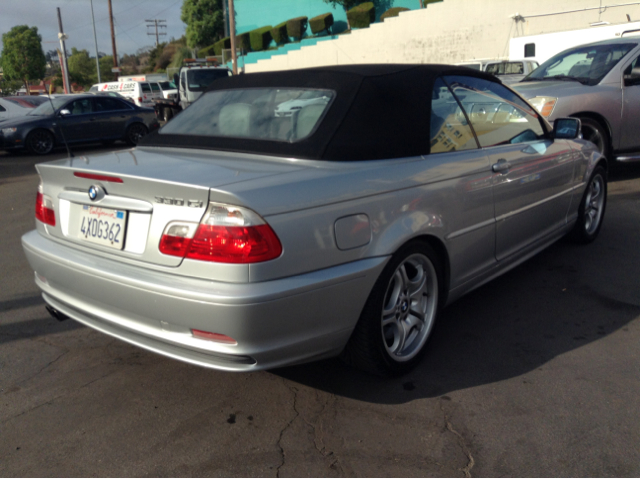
[
  {"x": 23, "y": 120},
  {"x": 531, "y": 89}
]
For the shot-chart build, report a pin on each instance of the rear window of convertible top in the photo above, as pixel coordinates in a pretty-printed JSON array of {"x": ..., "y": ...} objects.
[{"x": 285, "y": 115}]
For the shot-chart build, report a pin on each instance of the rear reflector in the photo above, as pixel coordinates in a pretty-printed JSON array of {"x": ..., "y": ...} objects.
[
  {"x": 91, "y": 176},
  {"x": 44, "y": 210},
  {"x": 219, "y": 338}
]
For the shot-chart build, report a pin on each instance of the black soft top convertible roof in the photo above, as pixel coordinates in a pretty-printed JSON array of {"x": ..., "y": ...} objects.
[{"x": 380, "y": 111}]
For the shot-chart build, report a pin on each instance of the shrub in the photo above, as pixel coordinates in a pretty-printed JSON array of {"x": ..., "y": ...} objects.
[
  {"x": 260, "y": 38},
  {"x": 296, "y": 27},
  {"x": 392, "y": 12},
  {"x": 321, "y": 23},
  {"x": 243, "y": 42},
  {"x": 279, "y": 33},
  {"x": 207, "y": 51},
  {"x": 362, "y": 16},
  {"x": 220, "y": 45}
]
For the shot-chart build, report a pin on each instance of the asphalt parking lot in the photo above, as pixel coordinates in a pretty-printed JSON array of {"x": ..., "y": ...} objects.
[{"x": 534, "y": 374}]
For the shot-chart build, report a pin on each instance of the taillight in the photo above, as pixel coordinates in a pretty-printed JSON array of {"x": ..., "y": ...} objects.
[
  {"x": 140, "y": 99},
  {"x": 44, "y": 209},
  {"x": 226, "y": 234}
]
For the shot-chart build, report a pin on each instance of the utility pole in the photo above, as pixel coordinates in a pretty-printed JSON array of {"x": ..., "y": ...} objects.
[
  {"x": 232, "y": 32},
  {"x": 157, "y": 23},
  {"x": 95, "y": 39},
  {"x": 113, "y": 38},
  {"x": 65, "y": 71},
  {"x": 225, "y": 16}
]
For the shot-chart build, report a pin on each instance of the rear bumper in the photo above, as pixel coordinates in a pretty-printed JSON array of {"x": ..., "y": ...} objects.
[{"x": 276, "y": 323}]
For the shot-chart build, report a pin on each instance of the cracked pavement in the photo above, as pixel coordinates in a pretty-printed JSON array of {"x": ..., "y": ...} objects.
[{"x": 534, "y": 374}]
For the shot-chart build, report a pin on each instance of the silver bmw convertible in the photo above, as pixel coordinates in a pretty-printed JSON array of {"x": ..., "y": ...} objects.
[{"x": 290, "y": 216}]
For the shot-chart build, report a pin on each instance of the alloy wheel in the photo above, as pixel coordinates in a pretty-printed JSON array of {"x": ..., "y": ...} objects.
[
  {"x": 41, "y": 142},
  {"x": 594, "y": 204},
  {"x": 409, "y": 307}
]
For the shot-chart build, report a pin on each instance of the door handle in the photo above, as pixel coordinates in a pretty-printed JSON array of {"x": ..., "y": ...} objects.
[{"x": 502, "y": 166}]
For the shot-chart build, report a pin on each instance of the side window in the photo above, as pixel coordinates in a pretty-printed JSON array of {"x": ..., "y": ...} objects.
[
  {"x": 145, "y": 87},
  {"x": 498, "y": 116},
  {"x": 635, "y": 65},
  {"x": 155, "y": 86},
  {"x": 80, "y": 107},
  {"x": 2, "y": 108},
  {"x": 530, "y": 50},
  {"x": 449, "y": 128},
  {"x": 109, "y": 104}
]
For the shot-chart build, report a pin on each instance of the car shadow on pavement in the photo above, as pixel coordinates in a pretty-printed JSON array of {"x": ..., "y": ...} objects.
[{"x": 508, "y": 328}]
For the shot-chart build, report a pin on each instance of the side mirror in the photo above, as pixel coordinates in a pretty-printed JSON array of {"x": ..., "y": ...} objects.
[
  {"x": 176, "y": 79},
  {"x": 567, "y": 128},
  {"x": 65, "y": 112}
]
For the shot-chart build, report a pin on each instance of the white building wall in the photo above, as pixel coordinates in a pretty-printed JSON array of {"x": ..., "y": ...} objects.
[{"x": 453, "y": 31}]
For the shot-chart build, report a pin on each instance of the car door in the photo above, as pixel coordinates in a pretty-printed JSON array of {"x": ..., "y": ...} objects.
[
  {"x": 147, "y": 95},
  {"x": 629, "y": 137},
  {"x": 77, "y": 124},
  {"x": 531, "y": 173},
  {"x": 110, "y": 115},
  {"x": 468, "y": 211}
]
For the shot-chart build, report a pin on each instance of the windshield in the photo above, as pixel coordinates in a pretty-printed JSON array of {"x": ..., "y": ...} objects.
[
  {"x": 199, "y": 80},
  {"x": 167, "y": 85},
  {"x": 586, "y": 64},
  {"x": 286, "y": 115},
  {"x": 47, "y": 109}
]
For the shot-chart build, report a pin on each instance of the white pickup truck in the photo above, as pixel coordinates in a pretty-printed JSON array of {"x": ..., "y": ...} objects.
[{"x": 509, "y": 71}]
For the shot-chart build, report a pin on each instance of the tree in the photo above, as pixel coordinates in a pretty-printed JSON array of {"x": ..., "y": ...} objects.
[
  {"x": 205, "y": 22},
  {"x": 81, "y": 67},
  {"x": 22, "y": 55}
]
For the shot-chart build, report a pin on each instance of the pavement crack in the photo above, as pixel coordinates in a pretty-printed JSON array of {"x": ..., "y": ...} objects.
[
  {"x": 49, "y": 364},
  {"x": 295, "y": 409},
  {"x": 461, "y": 442}
]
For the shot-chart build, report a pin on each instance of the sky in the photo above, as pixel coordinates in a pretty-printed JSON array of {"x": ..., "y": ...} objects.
[{"x": 129, "y": 21}]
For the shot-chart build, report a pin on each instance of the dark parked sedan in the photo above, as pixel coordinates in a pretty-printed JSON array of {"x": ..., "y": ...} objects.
[{"x": 77, "y": 119}]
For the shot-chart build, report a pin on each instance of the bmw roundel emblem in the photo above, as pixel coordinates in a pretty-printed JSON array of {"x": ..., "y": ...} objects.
[{"x": 94, "y": 191}]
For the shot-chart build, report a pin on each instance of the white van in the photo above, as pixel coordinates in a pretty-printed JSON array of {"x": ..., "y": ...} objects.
[{"x": 140, "y": 92}]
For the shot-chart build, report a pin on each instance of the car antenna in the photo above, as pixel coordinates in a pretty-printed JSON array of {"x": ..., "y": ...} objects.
[{"x": 71, "y": 155}]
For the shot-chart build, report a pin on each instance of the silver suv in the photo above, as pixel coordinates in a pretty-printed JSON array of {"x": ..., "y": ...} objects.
[{"x": 598, "y": 83}]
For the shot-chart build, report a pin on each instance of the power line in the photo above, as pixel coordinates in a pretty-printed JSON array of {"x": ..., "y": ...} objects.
[{"x": 157, "y": 23}]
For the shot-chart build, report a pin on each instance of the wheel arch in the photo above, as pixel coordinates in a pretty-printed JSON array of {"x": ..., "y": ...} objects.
[{"x": 600, "y": 119}]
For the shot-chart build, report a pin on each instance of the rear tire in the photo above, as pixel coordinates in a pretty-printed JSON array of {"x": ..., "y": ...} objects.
[
  {"x": 40, "y": 142},
  {"x": 167, "y": 114},
  {"x": 135, "y": 133},
  {"x": 398, "y": 317},
  {"x": 592, "y": 207}
]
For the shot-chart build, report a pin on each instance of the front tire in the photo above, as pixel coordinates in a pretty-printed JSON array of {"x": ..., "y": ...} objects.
[
  {"x": 592, "y": 207},
  {"x": 398, "y": 317},
  {"x": 596, "y": 133},
  {"x": 135, "y": 133},
  {"x": 40, "y": 142}
]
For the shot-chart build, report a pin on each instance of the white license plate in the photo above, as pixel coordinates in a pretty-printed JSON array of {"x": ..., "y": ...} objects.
[{"x": 103, "y": 226}]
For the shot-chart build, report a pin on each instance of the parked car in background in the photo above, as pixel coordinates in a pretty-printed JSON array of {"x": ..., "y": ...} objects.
[
  {"x": 239, "y": 239},
  {"x": 509, "y": 71},
  {"x": 76, "y": 119},
  {"x": 141, "y": 93},
  {"x": 598, "y": 83},
  {"x": 14, "y": 106},
  {"x": 108, "y": 93},
  {"x": 169, "y": 89}
]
